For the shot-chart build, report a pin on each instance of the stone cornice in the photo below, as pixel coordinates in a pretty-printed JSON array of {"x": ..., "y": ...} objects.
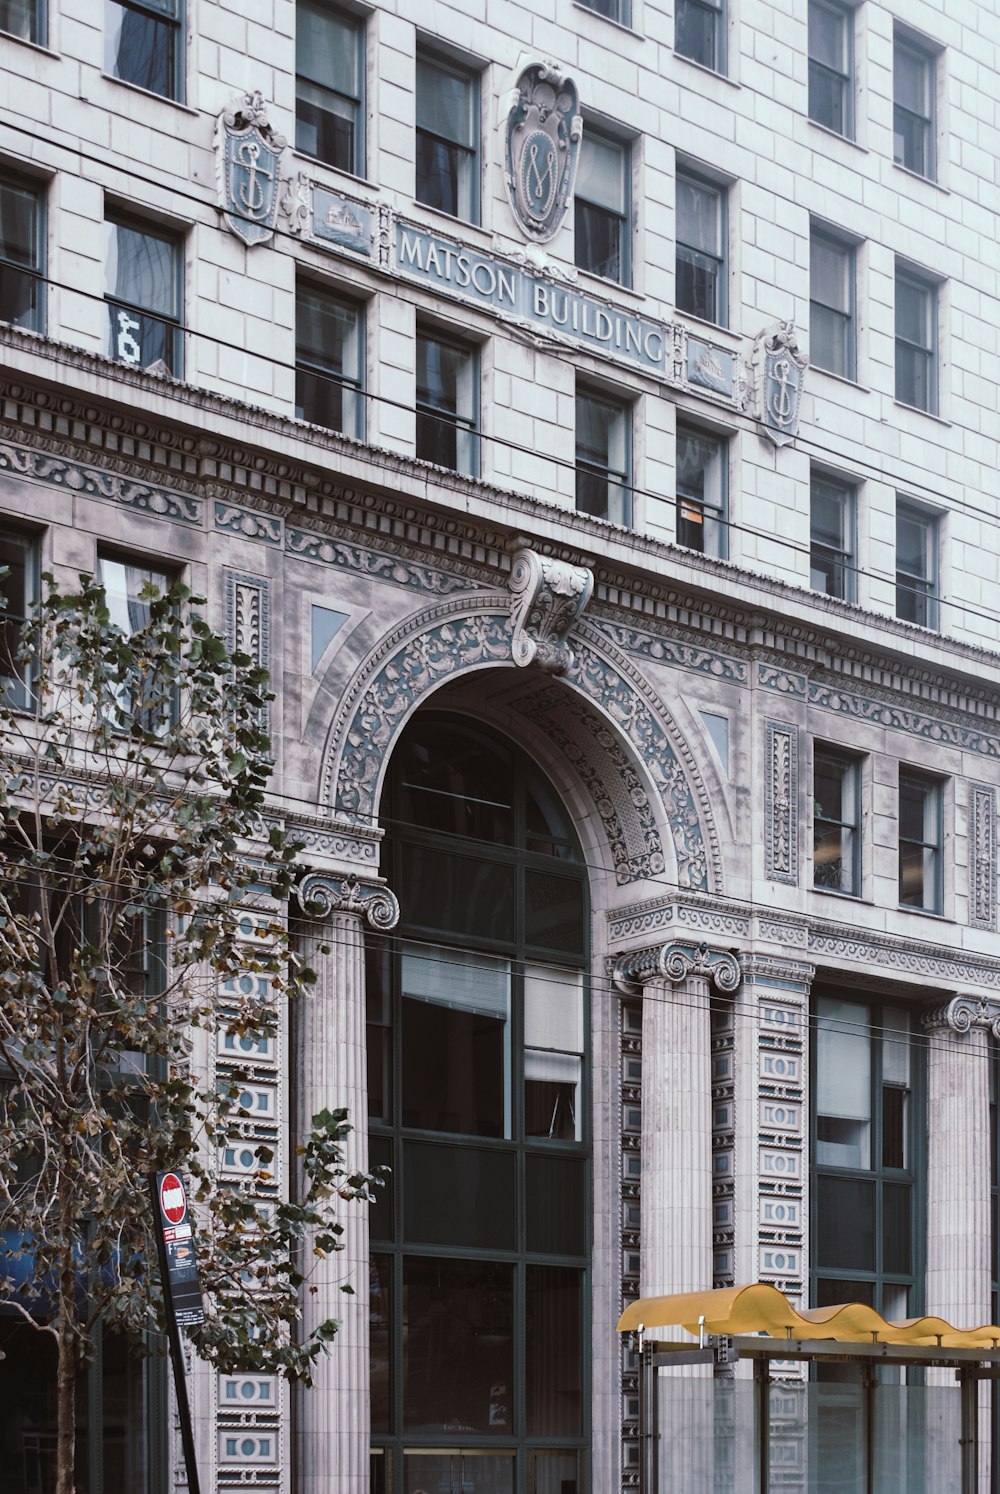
[
  {"x": 165, "y": 446},
  {"x": 676, "y": 962}
]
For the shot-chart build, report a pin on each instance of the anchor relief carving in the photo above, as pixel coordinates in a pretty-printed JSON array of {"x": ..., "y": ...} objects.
[{"x": 547, "y": 598}]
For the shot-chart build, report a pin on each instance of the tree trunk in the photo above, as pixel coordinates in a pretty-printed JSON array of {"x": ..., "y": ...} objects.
[{"x": 66, "y": 1371}]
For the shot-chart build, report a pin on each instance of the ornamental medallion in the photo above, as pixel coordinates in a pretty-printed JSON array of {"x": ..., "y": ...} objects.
[
  {"x": 541, "y": 149},
  {"x": 779, "y": 374},
  {"x": 248, "y": 156}
]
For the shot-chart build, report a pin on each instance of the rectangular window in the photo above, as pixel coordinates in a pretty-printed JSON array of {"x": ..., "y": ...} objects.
[
  {"x": 836, "y": 821},
  {"x": 865, "y": 1209},
  {"x": 700, "y": 32},
  {"x": 831, "y": 92},
  {"x": 916, "y": 565},
  {"x": 17, "y": 593},
  {"x": 329, "y": 361},
  {"x": 22, "y": 255},
  {"x": 603, "y": 457},
  {"x": 329, "y": 86},
  {"x": 24, "y": 19},
  {"x": 142, "y": 291},
  {"x": 701, "y": 248},
  {"x": 702, "y": 462},
  {"x": 916, "y": 341},
  {"x": 919, "y": 841},
  {"x": 130, "y": 586},
  {"x": 831, "y": 304},
  {"x": 447, "y": 403},
  {"x": 832, "y": 512},
  {"x": 447, "y": 139},
  {"x": 603, "y": 207},
  {"x": 143, "y": 44},
  {"x": 613, "y": 10},
  {"x": 914, "y": 85}
]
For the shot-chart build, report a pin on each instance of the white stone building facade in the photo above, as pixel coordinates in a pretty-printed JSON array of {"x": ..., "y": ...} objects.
[{"x": 588, "y": 413}]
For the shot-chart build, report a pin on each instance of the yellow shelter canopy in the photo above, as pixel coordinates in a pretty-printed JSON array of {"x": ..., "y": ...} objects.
[{"x": 760, "y": 1308}]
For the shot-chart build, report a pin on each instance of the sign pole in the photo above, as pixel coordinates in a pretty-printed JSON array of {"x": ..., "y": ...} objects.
[{"x": 181, "y": 1294}]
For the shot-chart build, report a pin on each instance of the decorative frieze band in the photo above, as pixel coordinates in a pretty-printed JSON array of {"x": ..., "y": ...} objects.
[
  {"x": 983, "y": 856},
  {"x": 962, "y": 1013},
  {"x": 675, "y": 962},
  {"x": 321, "y": 895}
]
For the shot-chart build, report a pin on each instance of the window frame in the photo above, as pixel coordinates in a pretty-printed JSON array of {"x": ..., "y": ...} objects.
[
  {"x": 622, "y": 9},
  {"x": 16, "y": 689},
  {"x": 920, "y": 593},
  {"x": 913, "y": 1176},
  {"x": 173, "y": 323},
  {"x": 830, "y": 240},
  {"x": 358, "y": 27},
  {"x": 932, "y": 788},
  {"x": 849, "y": 765},
  {"x": 168, "y": 574},
  {"x": 622, "y": 219},
  {"x": 307, "y": 366},
  {"x": 471, "y": 76},
  {"x": 711, "y": 513},
  {"x": 613, "y": 477},
  {"x": 907, "y": 43},
  {"x": 845, "y": 14},
  {"x": 469, "y": 423},
  {"x": 908, "y": 276},
  {"x": 37, "y": 271},
  {"x": 704, "y": 182},
  {"x": 844, "y": 557},
  {"x": 705, "y": 8},
  {"x": 37, "y": 22},
  {"x": 155, "y": 11}
]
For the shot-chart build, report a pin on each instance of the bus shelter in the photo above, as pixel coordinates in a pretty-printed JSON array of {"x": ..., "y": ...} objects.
[{"x": 881, "y": 1407}]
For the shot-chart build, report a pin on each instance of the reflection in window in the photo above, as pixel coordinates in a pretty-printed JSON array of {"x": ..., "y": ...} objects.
[
  {"x": 142, "y": 294},
  {"x": 17, "y": 593},
  {"x": 602, "y": 198},
  {"x": 700, "y": 32},
  {"x": 603, "y": 457},
  {"x": 129, "y": 590},
  {"x": 447, "y": 134},
  {"x": 913, "y": 89},
  {"x": 919, "y": 841},
  {"x": 831, "y": 304},
  {"x": 329, "y": 73},
  {"x": 329, "y": 352},
  {"x": 836, "y": 821},
  {"x": 447, "y": 403},
  {"x": 832, "y": 506},
  {"x": 701, "y": 248},
  {"x": 24, "y": 19},
  {"x": 701, "y": 489},
  {"x": 22, "y": 284},
  {"x": 831, "y": 28},
  {"x": 916, "y": 565},
  {"x": 142, "y": 44},
  {"x": 916, "y": 341}
]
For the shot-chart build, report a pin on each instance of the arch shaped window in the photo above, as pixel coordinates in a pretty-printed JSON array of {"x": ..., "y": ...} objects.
[{"x": 478, "y": 1064}]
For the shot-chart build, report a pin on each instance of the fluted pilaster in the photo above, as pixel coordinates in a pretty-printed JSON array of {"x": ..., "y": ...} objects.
[{"x": 333, "y": 1418}]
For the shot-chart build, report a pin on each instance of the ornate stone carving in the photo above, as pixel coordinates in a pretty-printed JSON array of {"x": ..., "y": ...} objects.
[
  {"x": 543, "y": 128},
  {"x": 778, "y": 376},
  {"x": 547, "y": 598},
  {"x": 248, "y": 620},
  {"x": 248, "y": 157},
  {"x": 962, "y": 1013},
  {"x": 321, "y": 895},
  {"x": 675, "y": 962},
  {"x": 94, "y": 482},
  {"x": 983, "y": 857},
  {"x": 390, "y": 568},
  {"x": 780, "y": 803}
]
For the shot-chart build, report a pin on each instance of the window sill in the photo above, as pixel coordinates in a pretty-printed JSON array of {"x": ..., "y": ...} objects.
[
  {"x": 923, "y": 912},
  {"x": 359, "y": 181},
  {"x": 710, "y": 72},
  {"x": 848, "y": 897},
  {"x": 828, "y": 373},
  {"x": 701, "y": 322},
  {"x": 147, "y": 93},
  {"x": 918, "y": 176},
  {"x": 22, "y": 41},
  {"x": 836, "y": 135},
  {"x": 930, "y": 414},
  {"x": 454, "y": 223},
  {"x": 606, "y": 285},
  {"x": 609, "y": 20}
]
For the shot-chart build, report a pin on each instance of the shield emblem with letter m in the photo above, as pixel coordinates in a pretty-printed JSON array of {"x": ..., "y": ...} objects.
[
  {"x": 543, "y": 132},
  {"x": 249, "y": 155}
]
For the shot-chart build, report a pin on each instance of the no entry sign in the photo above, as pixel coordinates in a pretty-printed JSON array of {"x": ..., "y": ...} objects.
[
  {"x": 173, "y": 1203},
  {"x": 181, "y": 1288}
]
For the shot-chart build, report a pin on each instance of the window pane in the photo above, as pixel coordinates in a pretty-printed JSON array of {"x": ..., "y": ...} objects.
[
  {"x": 828, "y": 98},
  {"x": 15, "y": 594},
  {"x": 554, "y": 1339},
  {"x": 20, "y": 18},
  {"x": 327, "y": 50},
  {"x": 911, "y": 80},
  {"x": 457, "y": 780},
  {"x": 829, "y": 514},
  {"x": 468, "y": 1472},
  {"x": 445, "y": 102},
  {"x": 828, "y": 35},
  {"x": 555, "y": 1205},
  {"x": 553, "y": 911},
  {"x": 913, "y": 533},
  {"x": 830, "y": 273},
  {"x": 139, "y": 48},
  {"x": 845, "y": 1223},
  {"x": 381, "y": 1213},
  {"x": 553, "y": 1008},
  {"x": 897, "y": 1221},
  {"x": 699, "y": 220},
  {"x": 18, "y": 227},
  {"x": 914, "y": 312},
  {"x": 140, "y": 268},
  {"x": 601, "y": 172},
  {"x": 458, "y": 1196},
  {"x": 843, "y": 1084},
  {"x": 458, "y": 1347},
  {"x": 457, "y": 894},
  {"x": 380, "y": 1334},
  {"x": 124, "y": 585},
  {"x": 598, "y": 243},
  {"x": 329, "y": 339},
  {"x": 697, "y": 32}
]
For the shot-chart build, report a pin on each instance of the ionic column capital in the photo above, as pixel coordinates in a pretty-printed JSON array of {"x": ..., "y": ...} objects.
[
  {"x": 964, "y": 1012},
  {"x": 675, "y": 962},
  {"x": 321, "y": 894}
]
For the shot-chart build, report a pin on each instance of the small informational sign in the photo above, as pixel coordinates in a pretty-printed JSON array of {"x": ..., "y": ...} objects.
[{"x": 181, "y": 1287}]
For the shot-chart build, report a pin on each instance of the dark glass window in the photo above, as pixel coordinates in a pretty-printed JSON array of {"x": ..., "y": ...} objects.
[
  {"x": 831, "y": 37},
  {"x": 701, "y": 248},
  {"x": 17, "y": 593},
  {"x": 836, "y": 821},
  {"x": 700, "y": 32},
  {"x": 916, "y": 341},
  {"x": 613, "y": 10},
  {"x": 832, "y": 506},
  {"x": 919, "y": 841},
  {"x": 603, "y": 457},
  {"x": 913, "y": 89},
  {"x": 329, "y": 86},
  {"x": 831, "y": 304},
  {"x": 142, "y": 291},
  {"x": 143, "y": 44},
  {"x": 22, "y": 255},
  {"x": 447, "y": 403},
  {"x": 447, "y": 138},
  {"x": 602, "y": 211},
  {"x": 867, "y": 1087},
  {"x": 477, "y": 1049},
  {"x": 702, "y": 482},
  {"x": 129, "y": 588},
  {"x": 916, "y": 565},
  {"x": 329, "y": 354},
  {"x": 24, "y": 19}
]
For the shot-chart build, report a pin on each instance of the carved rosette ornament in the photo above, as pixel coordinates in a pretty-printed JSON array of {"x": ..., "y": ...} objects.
[
  {"x": 543, "y": 129},
  {"x": 962, "y": 1013},
  {"x": 547, "y": 598},
  {"x": 779, "y": 370},
  {"x": 320, "y": 895},
  {"x": 675, "y": 962},
  {"x": 248, "y": 158}
]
